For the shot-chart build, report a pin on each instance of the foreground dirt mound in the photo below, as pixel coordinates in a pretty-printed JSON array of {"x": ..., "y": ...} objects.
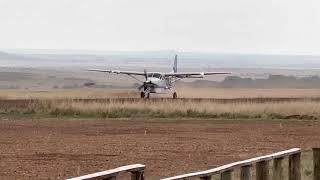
[{"x": 65, "y": 148}]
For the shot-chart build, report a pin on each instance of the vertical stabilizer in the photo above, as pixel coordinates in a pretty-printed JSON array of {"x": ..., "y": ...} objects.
[{"x": 175, "y": 64}]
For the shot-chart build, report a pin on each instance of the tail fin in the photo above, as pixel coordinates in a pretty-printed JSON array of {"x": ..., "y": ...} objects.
[{"x": 175, "y": 64}]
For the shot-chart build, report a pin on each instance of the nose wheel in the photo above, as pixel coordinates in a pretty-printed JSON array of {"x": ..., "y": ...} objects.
[{"x": 175, "y": 95}]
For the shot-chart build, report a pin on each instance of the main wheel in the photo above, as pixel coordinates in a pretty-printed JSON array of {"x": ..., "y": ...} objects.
[
  {"x": 175, "y": 95},
  {"x": 148, "y": 95},
  {"x": 142, "y": 95}
]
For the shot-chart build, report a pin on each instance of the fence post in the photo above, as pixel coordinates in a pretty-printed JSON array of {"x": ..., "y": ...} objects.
[
  {"x": 206, "y": 178},
  {"x": 277, "y": 169},
  {"x": 226, "y": 175},
  {"x": 294, "y": 167},
  {"x": 245, "y": 172},
  {"x": 112, "y": 178},
  {"x": 262, "y": 170},
  {"x": 137, "y": 175},
  {"x": 316, "y": 163}
]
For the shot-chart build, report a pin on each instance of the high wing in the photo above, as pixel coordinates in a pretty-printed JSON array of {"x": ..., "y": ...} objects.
[
  {"x": 119, "y": 72},
  {"x": 193, "y": 74}
]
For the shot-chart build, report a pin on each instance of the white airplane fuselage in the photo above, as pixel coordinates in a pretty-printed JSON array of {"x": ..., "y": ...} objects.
[{"x": 157, "y": 84}]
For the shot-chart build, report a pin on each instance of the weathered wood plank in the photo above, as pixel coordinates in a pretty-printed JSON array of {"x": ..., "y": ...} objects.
[
  {"x": 205, "y": 178},
  {"x": 262, "y": 170},
  {"x": 245, "y": 173},
  {"x": 316, "y": 163},
  {"x": 277, "y": 169},
  {"x": 110, "y": 174},
  {"x": 231, "y": 166},
  {"x": 294, "y": 166},
  {"x": 110, "y": 178},
  {"x": 227, "y": 175},
  {"x": 137, "y": 175}
]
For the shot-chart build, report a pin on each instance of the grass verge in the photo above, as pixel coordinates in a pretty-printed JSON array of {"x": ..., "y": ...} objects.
[{"x": 301, "y": 110}]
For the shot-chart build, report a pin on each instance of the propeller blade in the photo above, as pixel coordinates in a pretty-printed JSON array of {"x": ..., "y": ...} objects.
[
  {"x": 147, "y": 84},
  {"x": 145, "y": 74},
  {"x": 140, "y": 87}
]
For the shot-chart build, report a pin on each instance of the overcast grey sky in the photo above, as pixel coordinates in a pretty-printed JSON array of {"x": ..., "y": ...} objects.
[{"x": 246, "y": 26}]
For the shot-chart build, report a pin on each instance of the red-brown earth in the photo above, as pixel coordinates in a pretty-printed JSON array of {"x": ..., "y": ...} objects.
[{"x": 57, "y": 149}]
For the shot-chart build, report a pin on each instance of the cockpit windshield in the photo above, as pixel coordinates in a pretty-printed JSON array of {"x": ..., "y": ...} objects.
[{"x": 155, "y": 75}]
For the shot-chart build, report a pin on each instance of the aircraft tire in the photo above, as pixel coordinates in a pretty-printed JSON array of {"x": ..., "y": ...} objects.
[
  {"x": 148, "y": 95},
  {"x": 175, "y": 95}
]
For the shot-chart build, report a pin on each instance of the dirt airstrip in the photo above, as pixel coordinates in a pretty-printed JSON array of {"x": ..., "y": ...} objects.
[{"x": 56, "y": 149}]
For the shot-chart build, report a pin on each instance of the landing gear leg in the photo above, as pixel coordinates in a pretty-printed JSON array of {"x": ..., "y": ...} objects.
[
  {"x": 146, "y": 92},
  {"x": 175, "y": 95},
  {"x": 142, "y": 95}
]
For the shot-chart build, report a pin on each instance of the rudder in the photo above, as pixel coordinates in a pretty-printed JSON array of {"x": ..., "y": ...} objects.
[{"x": 175, "y": 64}]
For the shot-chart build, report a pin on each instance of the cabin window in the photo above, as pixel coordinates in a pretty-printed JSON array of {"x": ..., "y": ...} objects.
[{"x": 157, "y": 75}]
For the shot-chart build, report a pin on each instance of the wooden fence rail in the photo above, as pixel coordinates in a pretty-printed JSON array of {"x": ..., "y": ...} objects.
[
  {"x": 245, "y": 167},
  {"x": 136, "y": 170},
  {"x": 225, "y": 171}
]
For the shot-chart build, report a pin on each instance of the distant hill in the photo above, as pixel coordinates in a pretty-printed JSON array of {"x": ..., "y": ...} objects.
[
  {"x": 274, "y": 81},
  {"x": 4, "y": 55},
  {"x": 161, "y": 58},
  {"x": 10, "y": 56}
]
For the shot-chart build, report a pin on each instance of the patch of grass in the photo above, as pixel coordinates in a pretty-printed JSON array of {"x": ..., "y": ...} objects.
[{"x": 306, "y": 110}]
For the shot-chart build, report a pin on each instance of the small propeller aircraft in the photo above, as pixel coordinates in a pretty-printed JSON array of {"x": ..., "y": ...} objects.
[{"x": 160, "y": 82}]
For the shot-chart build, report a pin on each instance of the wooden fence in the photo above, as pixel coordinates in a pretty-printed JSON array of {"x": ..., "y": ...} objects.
[
  {"x": 261, "y": 164},
  {"x": 136, "y": 170},
  {"x": 316, "y": 163},
  {"x": 245, "y": 168}
]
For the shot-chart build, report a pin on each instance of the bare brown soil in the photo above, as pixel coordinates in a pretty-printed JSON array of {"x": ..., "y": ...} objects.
[{"x": 56, "y": 149}]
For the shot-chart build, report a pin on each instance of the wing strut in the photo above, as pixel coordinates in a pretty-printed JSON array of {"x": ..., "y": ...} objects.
[{"x": 135, "y": 78}]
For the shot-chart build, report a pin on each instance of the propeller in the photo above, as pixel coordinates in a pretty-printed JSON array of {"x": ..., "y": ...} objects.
[
  {"x": 146, "y": 83},
  {"x": 140, "y": 87},
  {"x": 145, "y": 74}
]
